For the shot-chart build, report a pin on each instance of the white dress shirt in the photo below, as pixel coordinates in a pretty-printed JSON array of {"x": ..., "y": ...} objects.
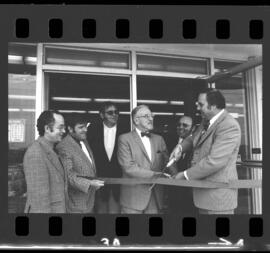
[
  {"x": 109, "y": 139},
  {"x": 84, "y": 149},
  {"x": 146, "y": 142}
]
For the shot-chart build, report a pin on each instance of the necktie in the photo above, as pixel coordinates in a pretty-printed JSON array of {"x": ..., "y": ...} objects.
[
  {"x": 147, "y": 134},
  {"x": 206, "y": 124}
]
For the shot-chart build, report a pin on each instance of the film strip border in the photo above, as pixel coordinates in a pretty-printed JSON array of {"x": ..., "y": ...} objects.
[
  {"x": 122, "y": 28},
  {"x": 123, "y": 226},
  {"x": 154, "y": 225}
]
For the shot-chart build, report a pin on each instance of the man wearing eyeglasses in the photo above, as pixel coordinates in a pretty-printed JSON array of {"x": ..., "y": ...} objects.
[
  {"x": 142, "y": 154},
  {"x": 102, "y": 137},
  {"x": 215, "y": 146},
  {"x": 183, "y": 130}
]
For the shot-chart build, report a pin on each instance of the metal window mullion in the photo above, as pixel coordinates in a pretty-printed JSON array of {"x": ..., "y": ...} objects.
[
  {"x": 212, "y": 71},
  {"x": 81, "y": 48},
  {"x": 84, "y": 69},
  {"x": 40, "y": 103},
  {"x": 254, "y": 140},
  {"x": 133, "y": 84},
  {"x": 167, "y": 74}
]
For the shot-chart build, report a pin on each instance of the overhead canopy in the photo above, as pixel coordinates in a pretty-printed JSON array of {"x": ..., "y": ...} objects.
[{"x": 252, "y": 63}]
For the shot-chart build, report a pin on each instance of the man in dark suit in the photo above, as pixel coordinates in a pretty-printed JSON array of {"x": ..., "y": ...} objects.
[
  {"x": 215, "y": 147},
  {"x": 78, "y": 161},
  {"x": 142, "y": 154},
  {"x": 103, "y": 137},
  {"x": 179, "y": 195},
  {"x": 44, "y": 174}
]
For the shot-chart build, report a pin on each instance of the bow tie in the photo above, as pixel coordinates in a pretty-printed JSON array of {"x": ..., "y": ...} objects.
[{"x": 147, "y": 134}]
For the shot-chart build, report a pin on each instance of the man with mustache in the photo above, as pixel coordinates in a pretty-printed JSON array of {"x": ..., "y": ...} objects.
[{"x": 215, "y": 146}]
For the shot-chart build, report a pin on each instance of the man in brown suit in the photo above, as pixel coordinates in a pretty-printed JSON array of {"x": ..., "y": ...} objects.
[
  {"x": 44, "y": 174},
  {"x": 142, "y": 154},
  {"x": 77, "y": 158},
  {"x": 215, "y": 147}
]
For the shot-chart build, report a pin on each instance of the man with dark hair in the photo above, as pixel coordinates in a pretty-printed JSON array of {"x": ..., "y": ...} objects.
[
  {"x": 215, "y": 147},
  {"x": 78, "y": 160},
  {"x": 44, "y": 174},
  {"x": 184, "y": 128},
  {"x": 142, "y": 154},
  {"x": 103, "y": 136}
]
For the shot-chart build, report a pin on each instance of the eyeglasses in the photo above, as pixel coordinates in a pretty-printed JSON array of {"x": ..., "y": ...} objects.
[
  {"x": 183, "y": 124},
  {"x": 116, "y": 112},
  {"x": 147, "y": 116}
]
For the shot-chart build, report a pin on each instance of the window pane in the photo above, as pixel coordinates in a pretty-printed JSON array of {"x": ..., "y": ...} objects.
[
  {"x": 90, "y": 92},
  {"x": 234, "y": 92},
  {"x": 179, "y": 65},
  {"x": 86, "y": 58},
  {"x": 169, "y": 99},
  {"x": 21, "y": 115}
]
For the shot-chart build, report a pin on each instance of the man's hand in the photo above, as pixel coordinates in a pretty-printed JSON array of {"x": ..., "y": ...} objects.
[
  {"x": 180, "y": 176},
  {"x": 96, "y": 183},
  {"x": 176, "y": 153},
  {"x": 161, "y": 175}
]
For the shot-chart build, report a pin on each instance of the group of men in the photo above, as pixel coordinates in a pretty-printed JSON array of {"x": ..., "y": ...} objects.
[{"x": 64, "y": 167}]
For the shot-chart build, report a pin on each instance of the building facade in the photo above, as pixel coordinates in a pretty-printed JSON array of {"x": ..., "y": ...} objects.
[{"x": 167, "y": 77}]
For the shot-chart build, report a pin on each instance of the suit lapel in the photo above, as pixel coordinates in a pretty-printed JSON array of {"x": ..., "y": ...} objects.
[
  {"x": 139, "y": 142},
  {"x": 78, "y": 149},
  {"x": 91, "y": 155},
  {"x": 212, "y": 127},
  {"x": 153, "y": 148},
  {"x": 51, "y": 155},
  {"x": 102, "y": 142}
]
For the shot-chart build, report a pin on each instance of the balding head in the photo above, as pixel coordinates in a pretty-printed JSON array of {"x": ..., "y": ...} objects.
[{"x": 184, "y": 126}]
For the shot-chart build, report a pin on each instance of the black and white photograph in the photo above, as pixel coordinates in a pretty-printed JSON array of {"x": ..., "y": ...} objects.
[{"x": 135, "y": 128}]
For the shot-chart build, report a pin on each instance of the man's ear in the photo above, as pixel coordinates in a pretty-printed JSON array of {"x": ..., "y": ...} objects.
[
  {"x": 135, "y": 121},
  {"x": 47, "y": 129},
  {"x": 213, "y": 107}
]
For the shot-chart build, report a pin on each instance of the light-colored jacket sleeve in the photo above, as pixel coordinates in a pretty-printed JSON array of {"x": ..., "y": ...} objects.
[
  {"x": 225, "y": 140},
  {"x": 37, "y": 179},
  {"x": 79, "y": 183},
  {"x": 127, "y": 162}
]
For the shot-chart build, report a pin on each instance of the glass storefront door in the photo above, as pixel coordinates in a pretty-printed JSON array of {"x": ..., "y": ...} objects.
[{"x": 84, "y": 94}]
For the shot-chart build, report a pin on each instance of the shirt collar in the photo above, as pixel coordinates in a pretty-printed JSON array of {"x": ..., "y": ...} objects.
[
  {"x": 109, "y": 128},
  {"x": 211, "y": 122},
  {"x": 139, "y": 132}
]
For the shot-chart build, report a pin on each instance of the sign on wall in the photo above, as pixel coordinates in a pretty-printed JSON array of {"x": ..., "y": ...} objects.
[{"x": 16, "y": 130}]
